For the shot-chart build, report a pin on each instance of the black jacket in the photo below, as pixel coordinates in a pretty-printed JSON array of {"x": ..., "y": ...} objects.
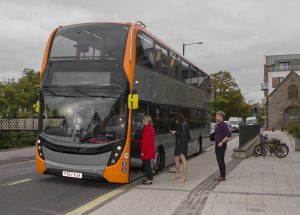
[{"x": 183, "y": 133}]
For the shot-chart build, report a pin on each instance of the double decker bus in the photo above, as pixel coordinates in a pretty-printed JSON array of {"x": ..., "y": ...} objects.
[{"x": 97, "y": 81}]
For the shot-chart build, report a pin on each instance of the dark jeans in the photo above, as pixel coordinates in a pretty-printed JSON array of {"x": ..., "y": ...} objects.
[
  {"x": 148, "y": 169},
  {"x": 220, "y": 154}
]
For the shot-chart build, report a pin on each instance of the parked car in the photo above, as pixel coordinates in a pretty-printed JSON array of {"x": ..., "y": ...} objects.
[
  {"x": 212, "y": 131},
  {"x": 251, "y": 120},
  {"x": 235, "y": 122},
  {"x": 229, "y": 126}
]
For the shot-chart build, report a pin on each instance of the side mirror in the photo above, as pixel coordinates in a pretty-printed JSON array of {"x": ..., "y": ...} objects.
[{"x": 133, "y": 101}]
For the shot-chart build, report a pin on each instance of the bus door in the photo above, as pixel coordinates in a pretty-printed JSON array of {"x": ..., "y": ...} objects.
[{"x": 136, "y": 135}]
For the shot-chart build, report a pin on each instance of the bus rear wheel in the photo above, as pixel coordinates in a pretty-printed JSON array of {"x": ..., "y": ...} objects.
[{"x": 159, "y": 161}]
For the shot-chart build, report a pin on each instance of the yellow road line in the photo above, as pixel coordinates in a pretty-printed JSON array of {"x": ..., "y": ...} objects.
[
  {"x": 19, "y": 182},
  {"x": 209, "y": 148},
  {"x": 101, "y": 199}
]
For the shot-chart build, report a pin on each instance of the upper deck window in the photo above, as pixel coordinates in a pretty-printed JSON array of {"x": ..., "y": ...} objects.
[
  {"x": 94, "y": 41},
  {"x": 174, "y": 66},
  {"x": 145, "y": 51},
  {"x": 185, "y": 73},
  {"x": 162, "y": 59}
]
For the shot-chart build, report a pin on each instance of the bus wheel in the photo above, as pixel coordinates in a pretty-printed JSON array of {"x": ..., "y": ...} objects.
[
  {"x": 159, "y": 161},
  {"x": 199, "y": 146}
]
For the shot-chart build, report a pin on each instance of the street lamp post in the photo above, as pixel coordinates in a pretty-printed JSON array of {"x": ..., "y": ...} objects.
[{"x": 189, "y": 44}]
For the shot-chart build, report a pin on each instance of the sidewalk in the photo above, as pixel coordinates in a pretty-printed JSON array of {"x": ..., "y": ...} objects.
[
  {"x": 267, "y": 186},
  {"x": 16, "y": 155},
  {"x": 166, "y": 196},
  {"x": 254, "y": 186}
]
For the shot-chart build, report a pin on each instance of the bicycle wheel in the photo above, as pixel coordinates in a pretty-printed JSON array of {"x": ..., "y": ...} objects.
[
  {"x": 257, "y": 150},
  {"x": 264, "y": 149},
  {"x": 281, "y": 150}
]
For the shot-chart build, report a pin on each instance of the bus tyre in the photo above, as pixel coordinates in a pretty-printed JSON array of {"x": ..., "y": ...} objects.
[
  {"x": 159, "y": 162},
  {"x": 199, "y": 146}
]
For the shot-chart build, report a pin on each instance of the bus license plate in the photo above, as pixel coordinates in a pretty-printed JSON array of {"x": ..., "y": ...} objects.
[{"x": 72, "y": 174}]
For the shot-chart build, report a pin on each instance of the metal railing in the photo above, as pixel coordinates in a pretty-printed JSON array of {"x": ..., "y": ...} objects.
[
  {"x": 247, "y": 133},
  {"x": 285, "y": 68}
]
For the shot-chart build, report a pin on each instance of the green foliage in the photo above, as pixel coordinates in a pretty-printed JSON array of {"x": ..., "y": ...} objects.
[
  {"x": 17, "y": 139},
  {"x": 17, "y": 97},
  {"x": 294, "y": 129},
  {"x": 227, "y": 96}
]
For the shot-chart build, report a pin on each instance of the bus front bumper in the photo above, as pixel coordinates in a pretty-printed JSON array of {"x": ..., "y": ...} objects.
[{"x": 88, "y": 172}]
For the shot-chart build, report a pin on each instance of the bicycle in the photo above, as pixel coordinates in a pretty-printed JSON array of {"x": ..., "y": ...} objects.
[{"x": 272, "y": 145}]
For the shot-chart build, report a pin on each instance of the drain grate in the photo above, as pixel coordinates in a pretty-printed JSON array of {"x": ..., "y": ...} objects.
[{"x": 196, "y": 199}]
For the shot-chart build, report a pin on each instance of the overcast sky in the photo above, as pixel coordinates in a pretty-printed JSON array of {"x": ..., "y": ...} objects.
[{"x": 237, "y": 34}]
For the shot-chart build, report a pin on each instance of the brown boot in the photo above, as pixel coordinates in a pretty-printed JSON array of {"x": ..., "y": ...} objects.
[{"x": 220, "y": 178}]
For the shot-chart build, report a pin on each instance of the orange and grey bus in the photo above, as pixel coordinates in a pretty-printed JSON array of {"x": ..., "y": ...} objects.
[{"x": 97, "y": 82}]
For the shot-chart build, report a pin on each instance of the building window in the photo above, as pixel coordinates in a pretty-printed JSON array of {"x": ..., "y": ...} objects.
[
  {"x": 292, "y": 92},
  {"x": 280, "y": 79},
  {"x": 284, "y": 66},
  {"x": 275, "y": 82},
  {"x": 162, "y": 59},
  {"x": 144, "y": 51}
]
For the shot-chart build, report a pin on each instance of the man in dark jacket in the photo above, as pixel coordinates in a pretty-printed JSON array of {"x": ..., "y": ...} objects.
[{"x": 222, "y": 135}]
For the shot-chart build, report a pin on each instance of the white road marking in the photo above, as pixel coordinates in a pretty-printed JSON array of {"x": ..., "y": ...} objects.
[
  {"x": 9, "y": 176},
  {"x": 19, "y": 182}
]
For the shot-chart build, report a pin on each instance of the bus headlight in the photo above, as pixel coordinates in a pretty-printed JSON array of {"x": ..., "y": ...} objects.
[
  {"x": 40, "y": 149},
  {"x": 115, "y": 154}
]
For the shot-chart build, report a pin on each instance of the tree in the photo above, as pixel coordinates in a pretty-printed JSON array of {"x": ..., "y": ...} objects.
[
  {"x": 227, "y": 96},
  {"x": 17, "y": 97}
]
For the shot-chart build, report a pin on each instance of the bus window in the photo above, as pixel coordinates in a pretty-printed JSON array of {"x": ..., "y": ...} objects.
[
  {"x": 160, "y": 117},
  {"x": 89, "y": 42},
  {"x": 185, "y": 77},
  {"x": 162, "y": 59},
  {"x": 201, "y": 78},
  {"x": 144, "y": 51},
  {"x": 194, "y": 77},
  {"x": 174, "y": 66}
]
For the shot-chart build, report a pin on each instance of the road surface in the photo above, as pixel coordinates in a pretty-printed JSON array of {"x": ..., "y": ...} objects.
[{"x": 23, "y": 191}]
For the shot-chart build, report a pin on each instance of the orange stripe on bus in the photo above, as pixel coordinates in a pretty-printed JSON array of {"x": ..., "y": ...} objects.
[
  {"x": 114, "y": 173},
  {"x": 47, "y": 52}
]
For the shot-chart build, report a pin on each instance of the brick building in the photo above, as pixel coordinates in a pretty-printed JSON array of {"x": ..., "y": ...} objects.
[{"x": 283, "y": 103}]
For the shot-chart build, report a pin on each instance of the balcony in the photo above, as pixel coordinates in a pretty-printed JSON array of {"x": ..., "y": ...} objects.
[
  {"x": 284, "y": 68},
  {"x": 264, "y": 86}
]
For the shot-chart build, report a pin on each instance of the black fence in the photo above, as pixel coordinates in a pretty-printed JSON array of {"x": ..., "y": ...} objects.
[{"x": 247, "y": 133}]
